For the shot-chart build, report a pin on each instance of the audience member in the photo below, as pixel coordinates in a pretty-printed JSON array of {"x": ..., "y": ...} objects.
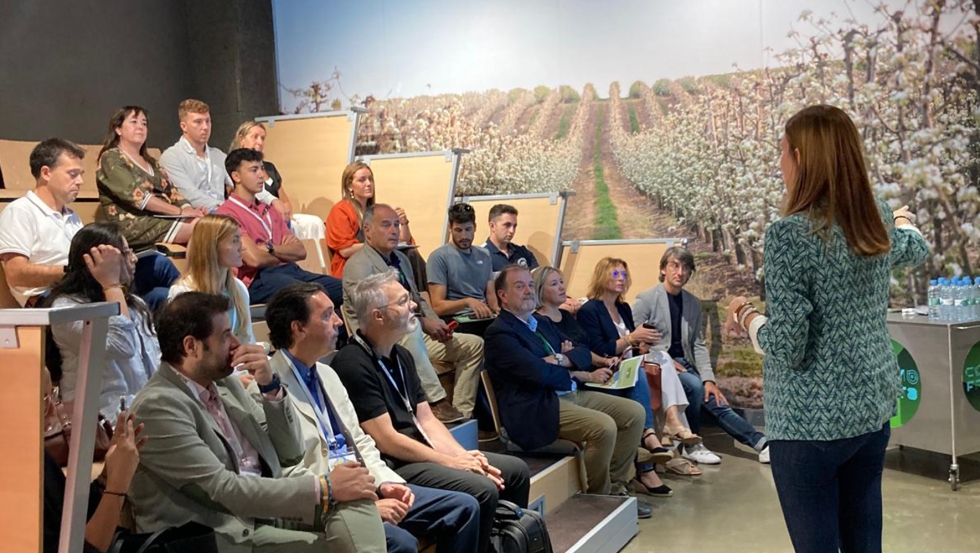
[
  {"x": 133, "y": 189},
  {"x": 303, "y": 328},
  {"x": 432, "y": 339},
  {"x": 106, "y": 494},
  {"x": 270, "y": 251},
  {"x": 393, "y": 409},
  {"x": 503, "y": 252},
  {"x": 215, "y": 251},
  {"x": 676, "y": 315},
  {"x": 831, "y": 377},
  {"x": 196, "y": 169},
  {"x": 345, "y": 233},
  {"x": 100, "y": 269},
  {"x": 215, "y": 454},
  {"x": 549, "y": 288},
  {"x": 36, "y": 230},
  {"x": 608, "y": 323},
  {"x": 461, "y": 276},
  {"x": 536, "y": 372}
]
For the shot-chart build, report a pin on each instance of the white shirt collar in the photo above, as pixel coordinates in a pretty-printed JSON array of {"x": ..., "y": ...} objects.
[{"x": 36, "y": 200}]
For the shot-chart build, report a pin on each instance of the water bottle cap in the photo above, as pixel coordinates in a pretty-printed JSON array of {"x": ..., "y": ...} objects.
[{"x": 933, "y": 282}]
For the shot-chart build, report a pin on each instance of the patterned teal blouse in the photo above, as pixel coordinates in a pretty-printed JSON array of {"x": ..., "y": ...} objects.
[{"x": 829, "y": 372}]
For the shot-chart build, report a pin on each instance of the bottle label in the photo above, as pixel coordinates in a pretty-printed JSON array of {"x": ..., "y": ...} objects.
[
  {"x": 958, "y": 303},
  {"x": 947, "y": 301},
  {"x": 933, "y": 302}
]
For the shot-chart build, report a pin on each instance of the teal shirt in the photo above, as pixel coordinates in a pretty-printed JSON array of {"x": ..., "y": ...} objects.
[{"x": 829, "y": 372}]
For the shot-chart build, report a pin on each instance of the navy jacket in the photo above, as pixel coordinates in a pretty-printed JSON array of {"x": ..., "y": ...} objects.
[
  {"x": 594, "y": 318},
  {"x": 524, "y": 383}
]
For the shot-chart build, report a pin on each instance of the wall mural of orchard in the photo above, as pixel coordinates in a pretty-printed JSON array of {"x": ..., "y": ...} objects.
[{"x": 656, "y": 154}]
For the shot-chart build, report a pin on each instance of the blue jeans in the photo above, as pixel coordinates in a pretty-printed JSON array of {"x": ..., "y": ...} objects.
[
  {"x": 270, "y": 280},
  {"x": 728, "y": 420},
  {"x": 830, "y": 491},
  {"x": 449, "y": 518},
  {"x": 639, "y": 393},
  {"x": 153, "y": 277}
]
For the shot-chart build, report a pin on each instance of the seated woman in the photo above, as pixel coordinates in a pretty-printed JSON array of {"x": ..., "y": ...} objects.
[
  {"x": 344, "y": 234},
  {"x": 549, "y": 287},
  {"x": 134, "y": 189},
  {"x": 215, "y": 251},
  {"x": 107, "y": 493},
  {"x": 100, "y": 269},
  {"x": 608, "y": 324},
  {"x": 251, "y": 134}
]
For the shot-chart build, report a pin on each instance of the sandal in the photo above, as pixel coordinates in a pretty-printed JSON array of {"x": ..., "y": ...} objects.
[
  {"x": 682, "y": 467},
  {"x": 663, "y": 490},
  {"x": 682, "y": 435},
  {"x": 658, "y": 454}
]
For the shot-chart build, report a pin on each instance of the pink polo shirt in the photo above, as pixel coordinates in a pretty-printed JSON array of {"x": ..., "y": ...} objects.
[{"x": 259, "y": 223}]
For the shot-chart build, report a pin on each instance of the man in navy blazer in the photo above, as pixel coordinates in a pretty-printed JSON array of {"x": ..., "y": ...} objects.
[{"x": 538, "y": 376}]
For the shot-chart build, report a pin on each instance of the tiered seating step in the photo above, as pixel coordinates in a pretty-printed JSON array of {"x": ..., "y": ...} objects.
[{"x": 593, "y": 524}]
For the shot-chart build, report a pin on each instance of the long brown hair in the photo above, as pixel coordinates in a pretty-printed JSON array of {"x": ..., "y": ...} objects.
[
  {"x": 345, "y": 182},
  {"x": 603, "y": 274},
  {"x": 204, "y": 274},
  {"x": 111, "y": 139},
  {"x": 831, "y": 183}
]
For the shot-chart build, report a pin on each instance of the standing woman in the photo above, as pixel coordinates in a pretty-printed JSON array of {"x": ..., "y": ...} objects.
[
  {"x": 831, "y": 380},
  {"x": 213, "y": 255},
  {"x": 344, "y": 234}
]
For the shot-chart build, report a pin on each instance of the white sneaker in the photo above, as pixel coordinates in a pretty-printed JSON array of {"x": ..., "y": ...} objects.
[
  {"x": 700, "y": 454},
  {"x": 764, "y": 455}
]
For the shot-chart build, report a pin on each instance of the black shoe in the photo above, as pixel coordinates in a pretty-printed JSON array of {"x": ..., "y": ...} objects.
[{"x": 643, "y": 510}]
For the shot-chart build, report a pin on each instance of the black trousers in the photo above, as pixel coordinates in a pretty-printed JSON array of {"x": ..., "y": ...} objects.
[{"x": 517, "y": 485}]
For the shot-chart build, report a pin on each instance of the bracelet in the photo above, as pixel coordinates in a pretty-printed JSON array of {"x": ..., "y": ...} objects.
[
  {"x": 903, "y": 217},
  {"x": 107, "y": 492},
  {"x": 629, "y": 339},
  {"x": 745, "y": 316},
  {"x": 325, "y": 485},
  {"x": 743, "y": 313}
]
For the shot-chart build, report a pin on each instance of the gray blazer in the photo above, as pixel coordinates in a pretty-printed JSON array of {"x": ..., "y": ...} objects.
[
  {"x": 188, "y": 470},
  {"x": 366, "y": 262},
  {"x": 315, "y": 459},
  {"x": 651, "y": 307}
]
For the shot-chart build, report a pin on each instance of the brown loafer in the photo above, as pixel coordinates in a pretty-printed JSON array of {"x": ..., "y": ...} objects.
[{"x": 446, "y": 413}]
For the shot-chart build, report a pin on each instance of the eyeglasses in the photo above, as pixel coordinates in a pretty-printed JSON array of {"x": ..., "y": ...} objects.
[
  {"x": 619, "y": 274},
  {"x": 461, "y": 208}
]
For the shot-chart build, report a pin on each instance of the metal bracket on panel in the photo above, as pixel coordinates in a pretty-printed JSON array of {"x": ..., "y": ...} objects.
[
  {"x": 575, "y": 246},
  {"x": 8, "y": 337},
  {"x": 566, "y": 193},
  {"x": 449, "y": 155},
  {"x": 355, "y": 111},
  {"x": 553, "y": 199},
  {"x": 270, "y": 123}
]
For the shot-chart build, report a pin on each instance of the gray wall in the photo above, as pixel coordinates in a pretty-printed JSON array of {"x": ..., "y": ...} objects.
[{"x": 65, "y": 66}]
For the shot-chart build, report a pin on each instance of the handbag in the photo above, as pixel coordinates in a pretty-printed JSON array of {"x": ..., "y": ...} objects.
[
  {"x": 654, "y": 383},
  {"x": 57, "y": 431},
  {"x": 191, "y": 537}
]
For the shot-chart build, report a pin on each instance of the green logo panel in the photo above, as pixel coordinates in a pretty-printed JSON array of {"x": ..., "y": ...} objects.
[
  {"x": 911, "y": 393},
  {"x": 971, "y": 376}
]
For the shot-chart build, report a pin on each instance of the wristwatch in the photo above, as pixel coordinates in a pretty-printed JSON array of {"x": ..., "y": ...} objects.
[
  {"x": 271, "y": 247},
  {"x": 560, "y": 358},
  {"x": 271, "y": 386}
]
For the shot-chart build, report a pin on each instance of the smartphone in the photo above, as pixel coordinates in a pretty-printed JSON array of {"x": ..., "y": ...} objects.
[
  {"x": 648, "y": 325},
  {"x": 452, "y": 325}
]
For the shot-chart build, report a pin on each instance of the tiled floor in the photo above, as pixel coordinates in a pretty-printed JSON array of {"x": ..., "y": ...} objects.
[{"x": 733, "y": 508}]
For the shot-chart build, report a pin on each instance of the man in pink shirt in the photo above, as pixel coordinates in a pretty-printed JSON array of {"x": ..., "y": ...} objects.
[{"x": 269, "y": 249}]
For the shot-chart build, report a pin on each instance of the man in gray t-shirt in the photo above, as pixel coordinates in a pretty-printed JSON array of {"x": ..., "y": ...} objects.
[{"x": 460, "y": 275}]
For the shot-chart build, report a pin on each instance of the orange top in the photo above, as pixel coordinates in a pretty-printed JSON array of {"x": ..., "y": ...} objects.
[{"x": 342, "y": 225}]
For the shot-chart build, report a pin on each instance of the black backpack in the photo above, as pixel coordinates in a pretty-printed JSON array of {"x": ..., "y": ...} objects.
[{"x": 517, "y": 530}]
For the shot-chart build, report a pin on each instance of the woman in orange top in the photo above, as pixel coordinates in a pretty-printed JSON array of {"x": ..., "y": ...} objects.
[{"x": 344, "y": 234}]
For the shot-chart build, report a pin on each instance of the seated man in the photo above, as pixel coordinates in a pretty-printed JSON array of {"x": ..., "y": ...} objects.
[
  {"x": 536, "y": 373},
  {"x": 36, "y": 230},
  {"x": 393, "y": 410},
  {"x": 503, "y": 252},
  {"x": 215, "y": 455},
  {"x": 676, "y": 314},
  {"x": 461, "y": 276},
  {"x": 269, "y": 249},
  {"x": 431, "y": 338},
  {"x": 303, "y": 328}
]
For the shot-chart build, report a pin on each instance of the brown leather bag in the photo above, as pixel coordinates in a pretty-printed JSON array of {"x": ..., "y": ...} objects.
[
  {"x": 652, "y": 372},
  {"x": 57, "y": 431}
]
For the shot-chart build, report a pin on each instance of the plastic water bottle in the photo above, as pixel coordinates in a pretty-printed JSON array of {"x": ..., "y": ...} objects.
[
  {"x": 976, "y": 298},
  {"x": 945, "y": 300},
  {"x": 933, "y": 297},
  {"x": 968, "y": 298},
  {"x": 959, "y": 296}
]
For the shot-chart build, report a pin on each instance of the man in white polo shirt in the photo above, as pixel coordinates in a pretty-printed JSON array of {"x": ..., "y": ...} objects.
[{"x": 36, "y": 230}]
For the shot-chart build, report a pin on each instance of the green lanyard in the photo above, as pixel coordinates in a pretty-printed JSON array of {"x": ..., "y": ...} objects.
[{"x": 551, "y": 350}]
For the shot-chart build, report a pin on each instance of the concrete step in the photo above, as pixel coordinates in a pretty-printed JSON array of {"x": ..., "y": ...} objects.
[{"x": 592, "y": 524}]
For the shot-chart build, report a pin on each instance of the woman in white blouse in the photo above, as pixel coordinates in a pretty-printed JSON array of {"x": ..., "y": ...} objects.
[{"x": 100, "y": 269}]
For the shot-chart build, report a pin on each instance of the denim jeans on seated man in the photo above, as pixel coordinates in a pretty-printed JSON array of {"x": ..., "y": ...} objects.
[
  {"x": 727, "y": 419},
  {"x": 155, "y": 273}
]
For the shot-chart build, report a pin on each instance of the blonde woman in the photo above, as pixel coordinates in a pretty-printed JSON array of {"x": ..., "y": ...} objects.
[
  {"x": 251, "y": 135},
  {"x": 344, "y": 234},
  {"x": 215, "y": 251}
]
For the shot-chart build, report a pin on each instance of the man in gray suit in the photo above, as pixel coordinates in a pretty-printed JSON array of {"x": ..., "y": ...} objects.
[
  {"x": 303, "y": 328},
  {"x": 431, "y": 339},
  {"x": 218, "y": 455},
  {"x": 676, "y": 314}
]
